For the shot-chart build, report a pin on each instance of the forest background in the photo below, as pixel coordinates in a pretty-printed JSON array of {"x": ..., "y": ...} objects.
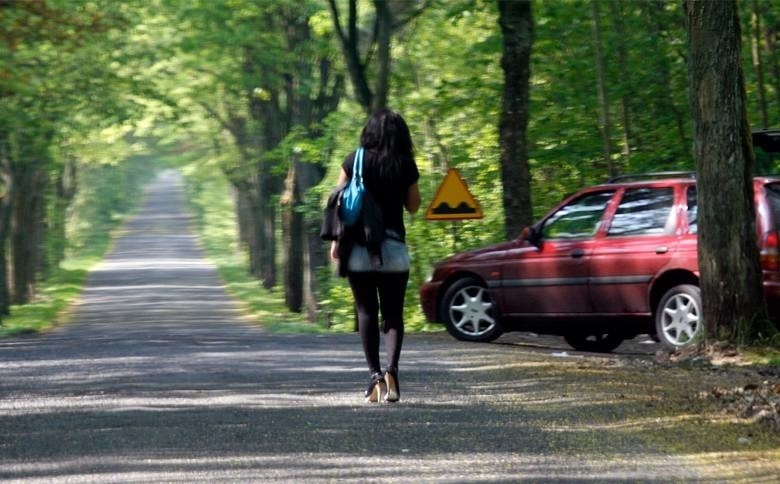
[{"x": 257, "y": 102}]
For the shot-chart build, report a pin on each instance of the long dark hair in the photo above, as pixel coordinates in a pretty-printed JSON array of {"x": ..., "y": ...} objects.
[{"x": 387, "y": 136}]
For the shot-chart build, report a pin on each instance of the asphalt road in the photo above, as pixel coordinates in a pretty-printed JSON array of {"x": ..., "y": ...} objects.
[{"x": 157, "y": 379}]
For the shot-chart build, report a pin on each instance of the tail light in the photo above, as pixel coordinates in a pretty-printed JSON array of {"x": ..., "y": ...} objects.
[{"x": 770, "y": 252}]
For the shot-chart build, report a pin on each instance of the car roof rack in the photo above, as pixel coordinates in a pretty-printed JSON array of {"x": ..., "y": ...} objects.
[{"x": 651, "y": 176}]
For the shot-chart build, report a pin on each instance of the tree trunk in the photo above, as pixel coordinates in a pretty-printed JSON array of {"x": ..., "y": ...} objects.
[
  {"x": 26, "y": 219},
  {"x": 315, "y": 259},
  {"x": 249, "y": 225},
  {"x": 292, "y": 236},
  {"x": 265, "y": 213},
  {"x": 242, "y": 217},
  {"x": 732, "y": 296},
  {"x": 350, "y": 46},
  {"x": 315, "y": 254},
  {"x": 56, "y": 238},
  {"x": 626, "y": 85},
  {"x": 516, "y": 24},
  {"x": 386, "y": 22},
  {"x": 601, "y": 89},
  {"x": 6, "y": 182},
  {"x": 758, "y": 65}
]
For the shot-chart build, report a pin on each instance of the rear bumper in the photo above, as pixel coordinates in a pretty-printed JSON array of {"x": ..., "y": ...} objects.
[{"x": 428, "y": 298}]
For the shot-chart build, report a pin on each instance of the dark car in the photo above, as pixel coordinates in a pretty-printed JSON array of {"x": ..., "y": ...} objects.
[{"x": 610, "y": 262}]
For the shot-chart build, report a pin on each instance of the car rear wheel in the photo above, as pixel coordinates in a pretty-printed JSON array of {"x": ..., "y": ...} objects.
[
  {"x": 468, "y": 311},
  {"x": 594, "y": 341},
  {"x": 678, "y": 317}
]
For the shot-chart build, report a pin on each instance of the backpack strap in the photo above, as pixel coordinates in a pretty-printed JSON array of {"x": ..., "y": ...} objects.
[{"x": 358, "y": 167}]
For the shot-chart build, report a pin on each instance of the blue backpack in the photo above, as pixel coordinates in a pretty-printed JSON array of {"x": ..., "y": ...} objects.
[{"x": 351, "y": 204}]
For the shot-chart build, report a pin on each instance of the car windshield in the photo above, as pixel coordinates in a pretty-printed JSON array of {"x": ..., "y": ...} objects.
[{"x": 579, "y": 218}]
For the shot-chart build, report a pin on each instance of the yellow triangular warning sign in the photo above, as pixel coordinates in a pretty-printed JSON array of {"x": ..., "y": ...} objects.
[{"x": 453, "y": 201}]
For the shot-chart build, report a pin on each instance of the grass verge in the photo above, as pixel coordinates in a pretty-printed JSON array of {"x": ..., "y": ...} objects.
[
  {"x": 55, "y": 296},
  {"x": 763, "y": 355}
]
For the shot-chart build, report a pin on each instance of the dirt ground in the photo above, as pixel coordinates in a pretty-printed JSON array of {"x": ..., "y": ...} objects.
[{"x": 735, "y": 386}]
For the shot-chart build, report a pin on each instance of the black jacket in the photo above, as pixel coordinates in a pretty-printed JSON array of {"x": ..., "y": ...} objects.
[
  {"x": 332, "y": 227},
  {"x": 369, "y": 230}
]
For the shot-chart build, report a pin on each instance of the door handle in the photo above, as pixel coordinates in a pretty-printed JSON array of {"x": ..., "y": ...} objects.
[
  {"x": 662, "y": 250},
  {"x": 577, "y": 253}
]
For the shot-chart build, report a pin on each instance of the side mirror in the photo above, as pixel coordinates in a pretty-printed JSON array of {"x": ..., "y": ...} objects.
[{"x": 532, "y": 235}]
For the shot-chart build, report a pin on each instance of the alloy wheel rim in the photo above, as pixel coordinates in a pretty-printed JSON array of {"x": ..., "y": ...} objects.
[
  {"x": 680, "y": 319},
  {"x": 471, "y": 310}
]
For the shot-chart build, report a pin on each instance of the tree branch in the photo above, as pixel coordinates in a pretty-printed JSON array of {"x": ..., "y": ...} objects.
[
  {"x": 334, "y": 10},
  {"x": 350, "y": 49},
  {"x": 213, "y": 112},
  {"x": 413, "y": 15}
]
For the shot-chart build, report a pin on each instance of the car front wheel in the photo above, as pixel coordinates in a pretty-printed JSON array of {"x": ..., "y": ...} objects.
[
  {"x": 468, "y": 311},
  {"x": 678, "y": 317}
]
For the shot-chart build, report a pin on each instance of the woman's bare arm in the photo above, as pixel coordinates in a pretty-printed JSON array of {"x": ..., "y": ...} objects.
[
  {"x": 412, "y": 202},
  {"x": 342, "y": 177}
]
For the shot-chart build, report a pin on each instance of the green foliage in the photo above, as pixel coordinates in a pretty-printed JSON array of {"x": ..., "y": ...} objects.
[{"x": 108, "y": 193}]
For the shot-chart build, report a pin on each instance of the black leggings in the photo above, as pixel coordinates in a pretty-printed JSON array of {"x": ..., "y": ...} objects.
[{"x": 375, "y": 291}]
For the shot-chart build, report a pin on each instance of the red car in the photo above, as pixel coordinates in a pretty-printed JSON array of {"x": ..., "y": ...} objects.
[{"x": 608, "y": 263}]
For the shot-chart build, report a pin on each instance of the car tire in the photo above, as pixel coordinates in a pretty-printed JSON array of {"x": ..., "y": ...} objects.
[
  {"x": 678, "y": 317},
  {"x": 594, "y": 341},
  {"x": 468, "y": 311}
]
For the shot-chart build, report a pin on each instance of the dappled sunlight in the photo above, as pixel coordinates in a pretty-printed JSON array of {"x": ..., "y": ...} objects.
[
  {"x": 59, "y": 364},
  {"x": 214, "y": 401},
  {"x": 503, "y": 366},
  {"x": 406, "y": 467},
  {"x": 746, "y": 465},
  {"x": 155, "y": 287},
  {"x": 655, "y": 423},
  {"x": 154, "y": 264}
]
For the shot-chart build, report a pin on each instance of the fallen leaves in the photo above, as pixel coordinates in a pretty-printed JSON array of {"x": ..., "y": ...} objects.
[{"x": 758, "y": 402}]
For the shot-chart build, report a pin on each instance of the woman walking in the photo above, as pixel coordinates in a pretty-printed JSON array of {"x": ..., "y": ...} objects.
[{"x": 390, "y": 176}]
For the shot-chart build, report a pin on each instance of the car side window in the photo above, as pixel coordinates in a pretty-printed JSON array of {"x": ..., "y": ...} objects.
[
  {"x": 693, "y": 210},
  {"x": 644, "y": 211},
  {"x": 579, "y": 218}
]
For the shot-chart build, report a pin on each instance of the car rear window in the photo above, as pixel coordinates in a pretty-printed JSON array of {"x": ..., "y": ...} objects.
[
  {"x": 773, "y": 199},
  {"x": 644, "y": 211},
  {"x": 693, "y": 211}
]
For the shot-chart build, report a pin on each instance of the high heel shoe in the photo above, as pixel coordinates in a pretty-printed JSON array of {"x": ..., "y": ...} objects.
[
  {"x": 393, "y": 389},
  {"x": 376, "y": 388}
]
